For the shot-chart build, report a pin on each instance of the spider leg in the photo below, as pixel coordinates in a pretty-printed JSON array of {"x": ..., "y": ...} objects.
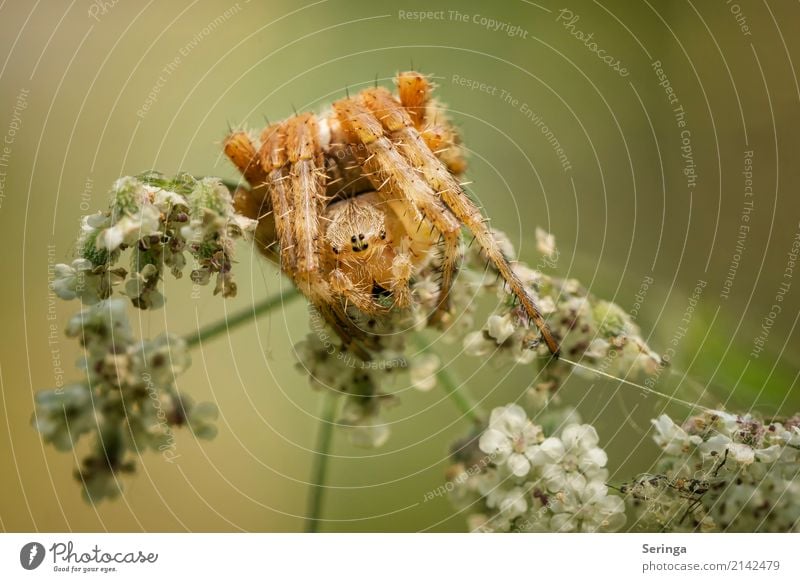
[
  {"x": 273, "y": 161},
  {"x": 398, "y": 124},
  {"x": 397, "y": 181},
  {"x": 429, "y": 118},
  {"x": 251, "y": 204},
  {"x": 692, "y": 506},
  {"x": 413, "y": 89},
  {"x": 241, "y": 151},
  {"x": 289, "y": 157},
  {"x": 307, "y": 182},
  {"x": 254, "y": 202},
  {"x": 362, "y": 299},
  {"x": 402, "y": 269}
]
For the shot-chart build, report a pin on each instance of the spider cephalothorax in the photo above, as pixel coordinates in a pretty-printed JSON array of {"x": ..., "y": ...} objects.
[{"x": 360, "y": 198}]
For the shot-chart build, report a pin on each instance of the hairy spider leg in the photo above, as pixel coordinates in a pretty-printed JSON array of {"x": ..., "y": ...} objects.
[
  {"x": 274, "y": 162},
  {"x": 241, "y": 151},
  {"x": 428, "y": 116},
  {"x": 254, "y": 202},
  {"x": 413, "y": 89},
  {"x": 299, "y": 191},
  {"x": 397, "y": 123}
]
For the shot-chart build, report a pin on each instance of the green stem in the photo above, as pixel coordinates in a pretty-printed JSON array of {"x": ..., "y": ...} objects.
[
  {"x": 319, "y": 465},
  {"x": 460, "y": 398},
  {"x": 452, "y": 386},
  {"x": 246, "y": 315}
]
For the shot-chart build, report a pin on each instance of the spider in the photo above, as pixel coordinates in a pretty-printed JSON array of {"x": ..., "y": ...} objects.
[{"x": 358, "y": 199}]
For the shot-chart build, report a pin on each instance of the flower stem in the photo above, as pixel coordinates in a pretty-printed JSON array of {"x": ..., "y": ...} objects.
[
  {"x": 246, "y": 315},
  {"x": 460, "y": 398},
  {"x": 319, "y": 466},
  {"x": 452, "y": 386}
]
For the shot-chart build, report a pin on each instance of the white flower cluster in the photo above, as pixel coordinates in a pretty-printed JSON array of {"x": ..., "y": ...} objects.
[
  {"x": 128, "y": 399},
  {"x": 721, "y": 472},
  {"x": 159, "y": 219},
  {"x": 517, "y": 479},
  {"x": 596, "y": 332}
]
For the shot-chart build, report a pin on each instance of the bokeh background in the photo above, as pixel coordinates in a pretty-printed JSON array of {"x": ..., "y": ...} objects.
[{"x": 90, "y": 91}]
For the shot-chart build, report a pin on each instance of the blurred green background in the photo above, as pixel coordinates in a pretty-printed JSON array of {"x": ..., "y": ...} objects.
[{"x": 90, "y": 91}]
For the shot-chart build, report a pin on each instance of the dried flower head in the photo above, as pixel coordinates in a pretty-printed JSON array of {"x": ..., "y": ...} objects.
[
  {"x": 127, "y": 399},
  {"x": 157, "y": 221},
  {"x": 721, "y": 472}
]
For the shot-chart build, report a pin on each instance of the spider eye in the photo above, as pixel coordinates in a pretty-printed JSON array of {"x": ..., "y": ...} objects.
[
  {"x": 383, "y": 235},
  {"x": 360, "y": 237},
  {"x": 335, "y": 251},
  {"x": 353, "y": 239}
]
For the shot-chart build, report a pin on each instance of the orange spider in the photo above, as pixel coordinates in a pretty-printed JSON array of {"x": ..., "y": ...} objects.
[{"x": 359, "y": 198}]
